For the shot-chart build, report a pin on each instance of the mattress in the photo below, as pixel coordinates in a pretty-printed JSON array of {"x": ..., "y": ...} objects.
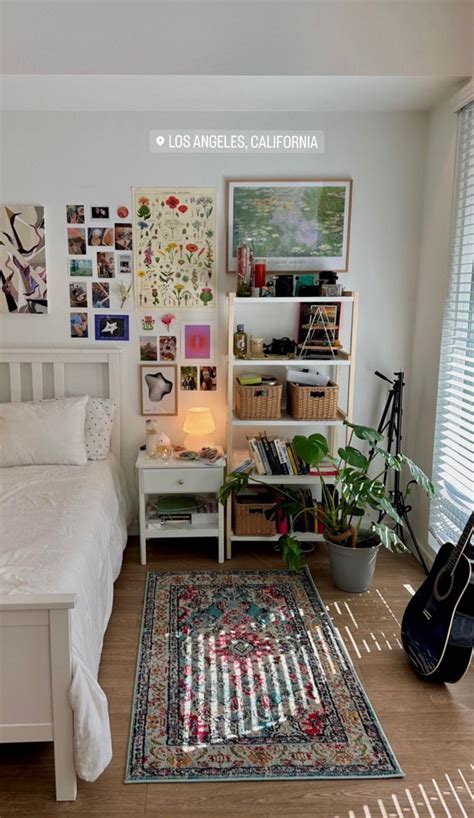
[{"x": 63, "y": 529}]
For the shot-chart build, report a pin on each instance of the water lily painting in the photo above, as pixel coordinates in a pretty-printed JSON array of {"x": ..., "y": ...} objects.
[
  {"x": 295, "y": 226},
  {"x": 174, "y": 247}
]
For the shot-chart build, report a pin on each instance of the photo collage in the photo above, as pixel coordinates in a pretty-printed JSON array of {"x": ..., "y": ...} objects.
[
  {"x": 100, "y": 247},
  {"x": 181, "y": 357}
]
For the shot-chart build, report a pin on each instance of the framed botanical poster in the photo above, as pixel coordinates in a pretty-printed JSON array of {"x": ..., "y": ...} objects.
[
  {"x": 159, "y": 391},
  {"x": 174, "y": 234},
  {"x": 295, "y": 226}
]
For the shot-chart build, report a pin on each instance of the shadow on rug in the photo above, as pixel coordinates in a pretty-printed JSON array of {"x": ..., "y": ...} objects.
[{"x": 241, "y": 676}]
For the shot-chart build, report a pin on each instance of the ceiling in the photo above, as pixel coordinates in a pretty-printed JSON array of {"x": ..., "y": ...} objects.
[{"x": 221, "y": 93}]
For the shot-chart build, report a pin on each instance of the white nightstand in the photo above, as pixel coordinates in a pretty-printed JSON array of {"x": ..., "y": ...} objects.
[{"x": 178, "y": 477}]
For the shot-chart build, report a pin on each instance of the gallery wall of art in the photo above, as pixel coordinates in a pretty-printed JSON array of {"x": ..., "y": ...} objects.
[{"x": 93, "y": 160}]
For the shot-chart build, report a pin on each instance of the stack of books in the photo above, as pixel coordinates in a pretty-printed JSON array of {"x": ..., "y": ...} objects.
[{"x": 275, "y": 456}]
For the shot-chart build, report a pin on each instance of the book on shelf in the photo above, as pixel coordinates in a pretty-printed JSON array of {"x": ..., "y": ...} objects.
[
  {"x": 274, "y": 455},
  {"x": 327, "y": 468}
]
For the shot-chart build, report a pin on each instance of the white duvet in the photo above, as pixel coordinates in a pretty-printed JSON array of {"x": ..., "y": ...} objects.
[{"x": 64, "y": 528}]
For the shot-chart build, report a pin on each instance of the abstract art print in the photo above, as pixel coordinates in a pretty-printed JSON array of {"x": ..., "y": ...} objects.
[
  {"x": 159, "y": 390},
  {"x": 22, "y": 260},
  {"x": 196, "y": 341},
  {"x": 295, "y": 226},
  {"x": 111, "y": 327},
  {"x": 174, "y": 247}
]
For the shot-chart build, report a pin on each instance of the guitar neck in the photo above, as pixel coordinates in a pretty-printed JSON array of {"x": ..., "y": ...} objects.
[{"x": 463, "y": 541}]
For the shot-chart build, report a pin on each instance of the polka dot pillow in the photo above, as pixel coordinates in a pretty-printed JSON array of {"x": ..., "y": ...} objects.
[{"x": 98, "y": 429}]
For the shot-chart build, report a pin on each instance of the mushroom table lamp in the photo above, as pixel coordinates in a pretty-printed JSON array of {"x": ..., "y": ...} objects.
[{"x": 199, "y": 426}]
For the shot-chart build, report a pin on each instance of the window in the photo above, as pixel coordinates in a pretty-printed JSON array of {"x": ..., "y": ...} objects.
[{"x": 453, "y": 460}]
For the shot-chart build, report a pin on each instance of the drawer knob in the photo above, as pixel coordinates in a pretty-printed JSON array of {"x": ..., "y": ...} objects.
[{"x": 181, "y": 482}]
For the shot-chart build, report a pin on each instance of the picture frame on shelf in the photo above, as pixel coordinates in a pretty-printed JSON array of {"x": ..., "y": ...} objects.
[
  {"x": 312, "y": 215},
  {"x": 159, "y": 389}
]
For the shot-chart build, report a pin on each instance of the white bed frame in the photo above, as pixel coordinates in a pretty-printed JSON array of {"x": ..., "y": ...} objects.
[{"x": 35, "y": 629}]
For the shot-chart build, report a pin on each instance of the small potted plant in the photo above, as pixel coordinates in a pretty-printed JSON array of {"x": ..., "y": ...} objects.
[{"x": 356, "y": 490}]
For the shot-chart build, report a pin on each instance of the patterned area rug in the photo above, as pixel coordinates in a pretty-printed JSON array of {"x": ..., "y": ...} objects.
[{"x": 241, "y": 676}]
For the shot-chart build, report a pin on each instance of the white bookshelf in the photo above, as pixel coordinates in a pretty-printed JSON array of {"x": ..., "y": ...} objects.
[{"x": 337, "y": 368}]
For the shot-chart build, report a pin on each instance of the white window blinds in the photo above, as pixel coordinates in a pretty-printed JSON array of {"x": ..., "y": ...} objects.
[{"x": 453, "y": 459}]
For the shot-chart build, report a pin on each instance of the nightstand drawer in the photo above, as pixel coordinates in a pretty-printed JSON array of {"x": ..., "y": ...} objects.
[{"x": 176, "y": 481}]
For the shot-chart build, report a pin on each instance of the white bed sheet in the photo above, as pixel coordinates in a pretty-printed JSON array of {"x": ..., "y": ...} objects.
[{"x": 63, "y": 529}]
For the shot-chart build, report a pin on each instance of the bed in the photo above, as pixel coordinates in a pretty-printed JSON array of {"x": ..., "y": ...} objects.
[{"x": 57, "y": 569}]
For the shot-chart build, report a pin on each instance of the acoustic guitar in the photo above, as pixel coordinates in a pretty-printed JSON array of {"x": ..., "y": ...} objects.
[{"x": 431, "y": 614}]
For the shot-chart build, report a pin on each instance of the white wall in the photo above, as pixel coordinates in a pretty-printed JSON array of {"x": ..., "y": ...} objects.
[
  {"x": 55, "y": 159},
  {"x": 432, "y": 287}
]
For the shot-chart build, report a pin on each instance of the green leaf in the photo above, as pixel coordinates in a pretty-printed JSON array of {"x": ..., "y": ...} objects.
[
  {"x": 235, "y": 482},
  {"x": 365, "y": 433},
  {"x": 418, "y": 475},
  {"x": 291, "y": 552},
  {"x": 390, "y": 459},
  {"x": 355, "y": 458},
  {"x": 389, "y": 538},
  {"x": 384, "y": 505},
  {"x": 312, "y": 449}
]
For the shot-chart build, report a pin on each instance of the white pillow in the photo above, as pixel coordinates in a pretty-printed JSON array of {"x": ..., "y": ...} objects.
[
  {"x": 43, "y": 433},
  {"x": 99, "y": 420}
]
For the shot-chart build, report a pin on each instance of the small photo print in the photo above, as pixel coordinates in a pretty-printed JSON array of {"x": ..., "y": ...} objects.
[
  {"x": 188, "y": 378},
  {"x": 208, "y": 378},
  {"x": 105, "y": 265},
  {"x": 100, "y": 295},
  {"x": 80, "y": 266},
  {"x": 111, "y": 327},
  {"x": 99, "y": 212},
  {"x": 78, "y": 295},
  {"x": 123, "y": 236},
  {"x": 79, "y": 324},
  {"x": 76, "y": 241},
  {"x": 167, "y": 347},
  {"x": 75, "y": 214},
  {"x": 125, "y": 263},
  {"x": 100, "y": 236},
  {"x": 148, "y": 348}
]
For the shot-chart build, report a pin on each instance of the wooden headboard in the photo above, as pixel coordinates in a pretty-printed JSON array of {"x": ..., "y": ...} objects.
[{"x": 46, "y": 376}]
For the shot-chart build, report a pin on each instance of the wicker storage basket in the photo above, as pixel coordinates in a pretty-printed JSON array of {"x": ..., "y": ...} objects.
[
  {"x": 249, "y": 517},
  {"x": 313, "y": 402},
  {"x": 258, "y": 402}
]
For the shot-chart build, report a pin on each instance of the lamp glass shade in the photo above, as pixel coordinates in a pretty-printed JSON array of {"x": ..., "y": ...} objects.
[{"x": 199, "y": 421}]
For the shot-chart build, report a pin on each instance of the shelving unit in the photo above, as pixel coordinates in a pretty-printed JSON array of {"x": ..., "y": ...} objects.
[{"x": 343, "y": 363}]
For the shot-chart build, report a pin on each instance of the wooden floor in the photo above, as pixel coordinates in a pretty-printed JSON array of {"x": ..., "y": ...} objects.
[{"x": 430, "y": 727}]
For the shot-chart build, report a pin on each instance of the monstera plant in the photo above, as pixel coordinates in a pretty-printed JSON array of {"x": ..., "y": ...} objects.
[{"x": 350, "y": 500}]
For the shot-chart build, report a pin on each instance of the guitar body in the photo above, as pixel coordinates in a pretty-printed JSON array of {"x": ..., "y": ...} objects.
[{"x": 428, "y": 620}]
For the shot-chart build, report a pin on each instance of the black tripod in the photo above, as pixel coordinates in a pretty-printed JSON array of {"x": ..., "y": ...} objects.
[{"x": 391, "y": 425}]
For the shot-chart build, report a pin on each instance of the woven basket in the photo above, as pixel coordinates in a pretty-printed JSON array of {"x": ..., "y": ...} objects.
[
  {"x": 258, "y": 402},
  {"x": 313, "y": 402},
  {"x": 249, "y": 519}
]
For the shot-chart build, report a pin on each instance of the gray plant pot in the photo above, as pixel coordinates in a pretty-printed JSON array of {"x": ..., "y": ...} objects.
[{"x": 352, "y": 568}]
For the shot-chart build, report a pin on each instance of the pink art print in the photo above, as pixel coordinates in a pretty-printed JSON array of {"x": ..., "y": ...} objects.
[{"x": 197, "y": 341}]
